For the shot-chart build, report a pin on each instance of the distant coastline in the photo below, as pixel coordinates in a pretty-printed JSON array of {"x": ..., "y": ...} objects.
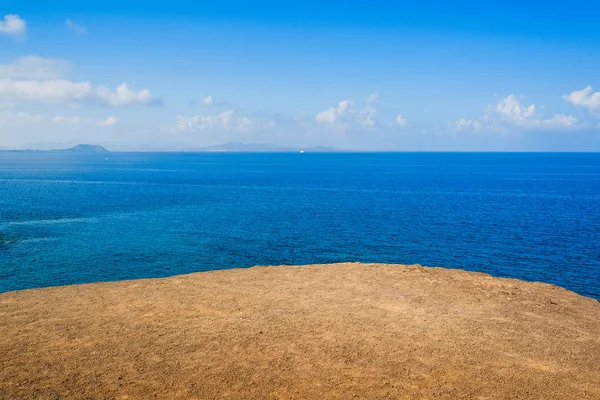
[
  {"x": 237, "y": 147},
  {"x": 80, "y": 148},
  {"x": 231, "y": 147}
]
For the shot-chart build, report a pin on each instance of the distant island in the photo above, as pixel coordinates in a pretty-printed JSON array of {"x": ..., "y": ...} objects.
[
  {"x": 231, "y": 147},
  {"x": 86, "y": 148},
  {"x": 80, "y": 149}
]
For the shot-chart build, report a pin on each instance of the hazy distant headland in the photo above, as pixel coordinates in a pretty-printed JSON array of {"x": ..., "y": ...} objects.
[
  {"x": 231, "y": 147},
  {"x": 80, "y": 148},
  {"x": 264, "y": 148}
]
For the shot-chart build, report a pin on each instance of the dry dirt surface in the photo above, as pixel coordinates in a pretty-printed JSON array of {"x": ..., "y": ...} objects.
[{"x": 338, "y": 331}]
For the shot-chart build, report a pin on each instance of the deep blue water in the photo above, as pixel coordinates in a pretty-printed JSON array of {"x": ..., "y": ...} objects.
[{"x": 68, "y": 219}]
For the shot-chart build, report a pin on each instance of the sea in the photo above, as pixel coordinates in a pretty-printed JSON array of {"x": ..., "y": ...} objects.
[{"x": 77, "y": 218}]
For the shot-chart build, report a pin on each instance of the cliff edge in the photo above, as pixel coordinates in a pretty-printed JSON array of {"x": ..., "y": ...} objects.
[{"x": 313, "y": 332}]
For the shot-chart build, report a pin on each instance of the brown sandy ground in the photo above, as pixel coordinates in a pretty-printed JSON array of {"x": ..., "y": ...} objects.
[{"x": 317, "y": 332}]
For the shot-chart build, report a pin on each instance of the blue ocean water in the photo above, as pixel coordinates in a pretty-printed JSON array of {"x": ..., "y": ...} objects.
[{"x": 69, "y": 218}]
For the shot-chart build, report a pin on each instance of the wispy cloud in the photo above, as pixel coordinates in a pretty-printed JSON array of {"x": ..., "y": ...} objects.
[
  {"x": 32, "y": 67},
  {"x": 63, "y": 120},
  {"x": 66, "y": 120},
  {"x": 227, "y": 120},
  {"x": 401, "y": 121},
  {"x": 211, "y": 101},
  {"x": 510, "y": 115},
  {"x": 110, "y": 121},
  {"x": 64, "y": 91},
  {"x": 77, "y": 28},
  {"x": 42, "y": 79},
  {"x": 18, "y": 118}
]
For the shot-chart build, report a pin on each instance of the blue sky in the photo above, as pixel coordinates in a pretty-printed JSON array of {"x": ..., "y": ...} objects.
[{"x": 508, "y": 76}]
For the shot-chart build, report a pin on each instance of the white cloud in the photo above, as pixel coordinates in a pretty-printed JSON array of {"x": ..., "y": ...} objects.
[
  {"x": 511, "y": 109},
  {"x": 336, "y": 114},
  {"x": 327, "y": 116},
  {"x": 65, "y": 91},
  {"x": 514, "y": 112},
  {"x": 226, "y": 120},
  {"x": 42, "y": 79},
  {"x": 584, "y": 98},
  {"x": 124, "y": 96},
  {"x": 110, "y": 121},
  {"x": 35, "y": 68},
  {"x": 401, "y": 121},
  {"x": 75, "y": 27},
  {"x": 510, "y": 114},
  {"x": 12, "y": 25},
  {"x": 367, "y": 115},
  {"x": 467, "y": 123},
  {"x": 344, "y": 106},
  {"x": 56, "y": 90},
  {"x": 345, "y": 115},
  {"x": 560, "y": 120},
  {"x": 208, "y": 101}
]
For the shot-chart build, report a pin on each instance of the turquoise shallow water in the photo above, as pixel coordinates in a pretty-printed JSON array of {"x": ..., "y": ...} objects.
[{"x": 68, "y": 218}]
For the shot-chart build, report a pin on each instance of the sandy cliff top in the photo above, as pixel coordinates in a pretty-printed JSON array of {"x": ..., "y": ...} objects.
[{"x": 315, "y": 332}]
